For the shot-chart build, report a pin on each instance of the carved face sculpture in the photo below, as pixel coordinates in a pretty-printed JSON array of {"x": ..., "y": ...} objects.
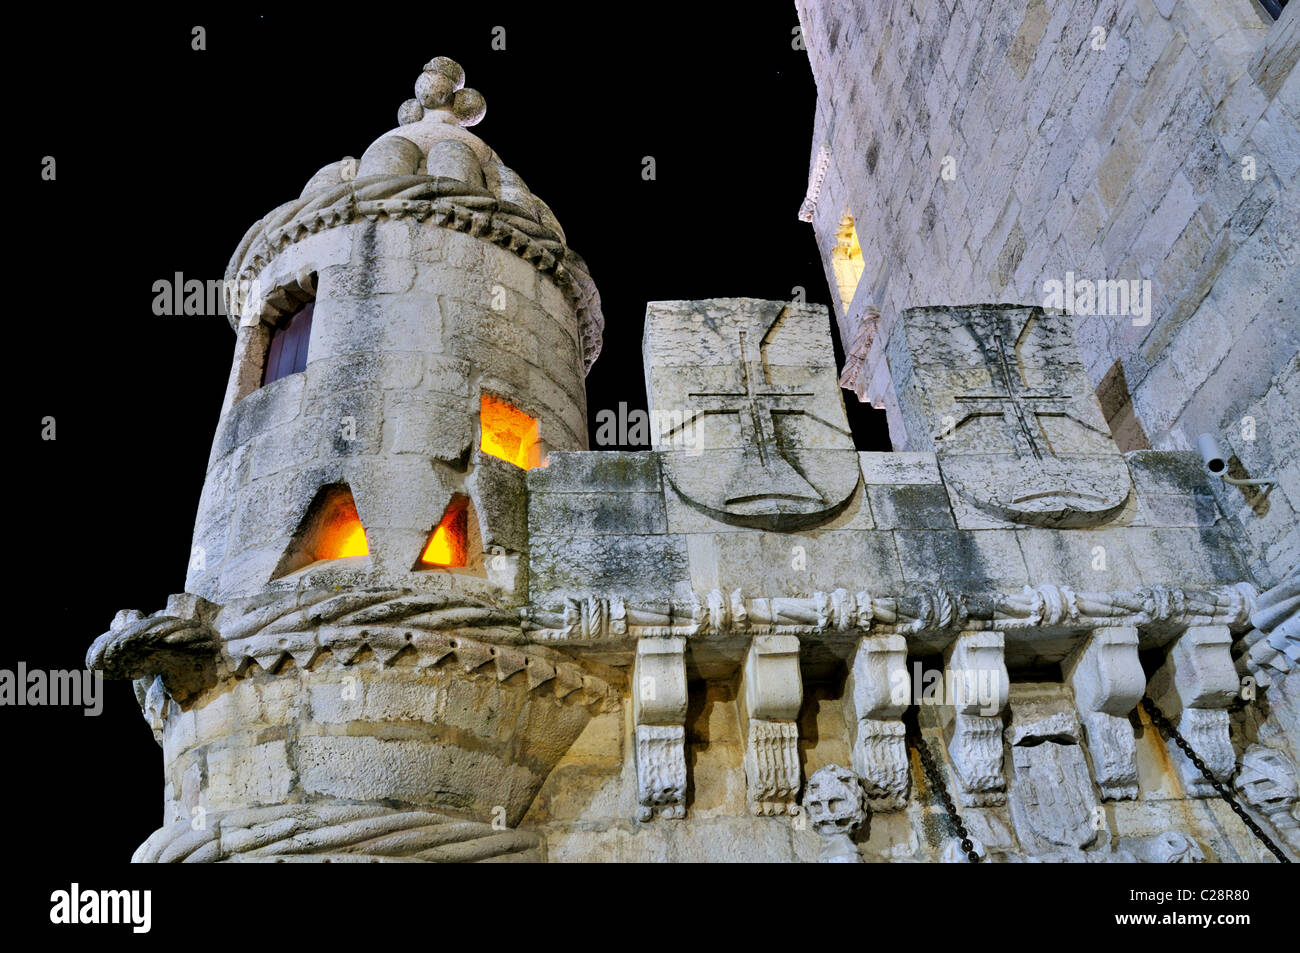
[
  {"x": 1267, "y": 778},
  {"x": 834, "y": 801}
]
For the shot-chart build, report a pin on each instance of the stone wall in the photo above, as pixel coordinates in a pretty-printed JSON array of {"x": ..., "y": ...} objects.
[
  {"x": 608, "y": 526},
  {"x": 582, "y": 812},
  {"x": 1111, "y": 140}
]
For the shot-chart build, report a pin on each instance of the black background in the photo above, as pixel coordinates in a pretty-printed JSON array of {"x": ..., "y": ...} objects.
[{"x": 166, "y": 155}]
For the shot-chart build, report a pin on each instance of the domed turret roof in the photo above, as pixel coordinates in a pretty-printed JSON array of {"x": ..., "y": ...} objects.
[{"x": 429, "y": 167}]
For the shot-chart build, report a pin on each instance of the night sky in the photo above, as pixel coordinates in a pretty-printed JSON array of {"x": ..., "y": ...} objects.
[{"x": 166, "y": 155}]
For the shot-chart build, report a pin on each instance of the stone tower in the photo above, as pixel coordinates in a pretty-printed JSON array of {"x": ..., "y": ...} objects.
[
  {"x": 443, "y": 298},
  {"x": 442, "y": 330}
]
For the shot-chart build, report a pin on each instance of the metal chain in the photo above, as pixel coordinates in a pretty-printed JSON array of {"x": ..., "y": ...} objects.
[
  {"x": 1164, "y": 724},
  {"x": 935, "y": 780}
]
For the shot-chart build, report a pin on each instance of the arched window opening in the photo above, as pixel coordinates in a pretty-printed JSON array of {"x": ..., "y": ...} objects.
[
  {"x": 287, "y": 352},
  {"x": 846, "y": 261}
]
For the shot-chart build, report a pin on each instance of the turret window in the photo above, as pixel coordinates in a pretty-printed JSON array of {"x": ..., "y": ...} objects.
[
  {"x": 287, "y": 352},
  {"x": 509, "y": 433}
]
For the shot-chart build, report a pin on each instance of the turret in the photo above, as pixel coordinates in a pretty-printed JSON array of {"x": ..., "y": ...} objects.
[{"x": 413, "y": 332}]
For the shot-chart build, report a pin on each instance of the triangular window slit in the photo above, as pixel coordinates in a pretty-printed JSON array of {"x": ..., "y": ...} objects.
[
  {"x": 448, "y": 545},
  {"x": 331, "y": 529}
]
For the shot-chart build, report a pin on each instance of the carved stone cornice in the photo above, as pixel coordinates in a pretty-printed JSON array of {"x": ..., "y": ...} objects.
[
  {"x": 369, "y": 627},
  {"x": 923, "y": 609},
  {"x": 192, "y": 642},
  {"x": 444, "y": 202}
]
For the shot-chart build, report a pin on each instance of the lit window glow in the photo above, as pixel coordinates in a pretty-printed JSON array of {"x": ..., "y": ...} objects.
[
  {"x": 341, "y": 532},
  {"x": 846, "y": 261},
  {"x": 508, "y": 433},
  {"x": 449, "y": 542}
]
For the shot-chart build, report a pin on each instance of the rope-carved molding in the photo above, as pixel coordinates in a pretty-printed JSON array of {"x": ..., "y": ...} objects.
[
  {"x": 447, "y": 203},
  {"x": 816, "y": 176},
  {"x": 192, "y": 643},
  {"x": 925, "y": 609},
  {"x": 337, "y": 832},
  {"x": 1271, "y": 648}
]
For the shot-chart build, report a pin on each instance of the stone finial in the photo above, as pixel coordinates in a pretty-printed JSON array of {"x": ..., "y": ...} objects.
[{"x": 441, "y": 89}]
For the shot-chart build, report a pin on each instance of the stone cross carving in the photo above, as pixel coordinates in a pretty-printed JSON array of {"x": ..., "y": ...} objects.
[
  {"x": 1052, "y": 462},
  {"x": 768, "y": 474},
  {"x": 745, "y": 406},
  {"x": 1014, "y": 402}
]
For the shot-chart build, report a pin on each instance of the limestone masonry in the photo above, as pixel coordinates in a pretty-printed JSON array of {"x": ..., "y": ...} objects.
[{"x": 422, "y": 621}]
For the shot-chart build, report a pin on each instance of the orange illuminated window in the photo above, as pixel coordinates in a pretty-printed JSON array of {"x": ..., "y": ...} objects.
[
  {"x": 331, "y": 530},
  {"x": 508, "y": 433},
  {"x": 341, "y": 532},
  {"x": 449, "y": 543}
]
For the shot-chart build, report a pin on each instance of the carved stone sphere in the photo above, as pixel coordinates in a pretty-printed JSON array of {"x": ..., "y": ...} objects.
[
  {"x": 409, "y": 112},
  {"x": 835, "y": 801},
  {"x": 434, "y": 89},
  {"x": 469, "y": 106},
  {"x": 446, "y": 66}
]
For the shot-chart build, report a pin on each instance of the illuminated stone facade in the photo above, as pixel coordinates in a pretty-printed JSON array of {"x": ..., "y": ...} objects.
[{"x": 727, "y": 647}]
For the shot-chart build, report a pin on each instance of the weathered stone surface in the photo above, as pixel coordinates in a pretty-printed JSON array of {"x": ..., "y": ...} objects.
[
  {"x": 747, "y": 410},
  {"x": 1039, "y": 153},
  {"x": 608, "y": 637},
  {"x": 1053, "y": 805}
]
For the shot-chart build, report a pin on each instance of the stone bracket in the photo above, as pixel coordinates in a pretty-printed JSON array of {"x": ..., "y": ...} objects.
[
  {"x": 770, "y": 698},
  {"x": 1107, "y": 680},
  {"x": 876, "y": 694},
  {"x": 977, "y": 674},
  {"x": 659, "y": 716},
  {"x": 1194, "y": 688}
]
